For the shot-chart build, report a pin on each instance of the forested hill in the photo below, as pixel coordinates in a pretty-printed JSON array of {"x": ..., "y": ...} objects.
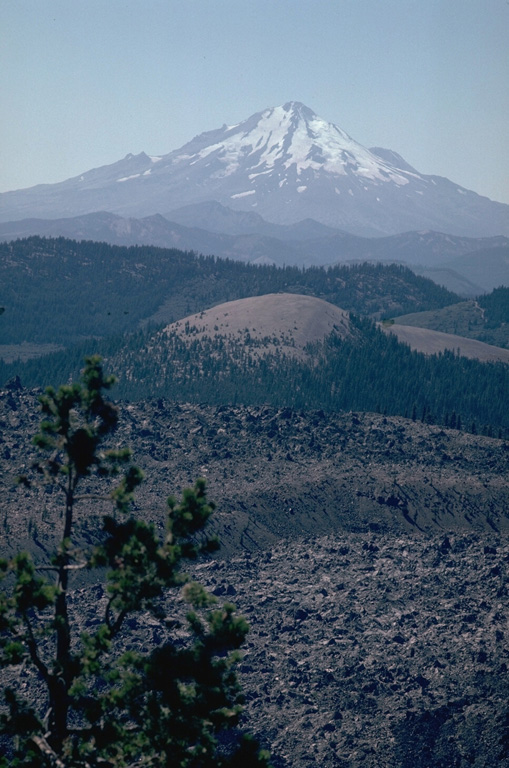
[
  {"x": 63, "y": 291},
  {"x": 367, "y": 370},
  {"x": 485, "y": 319}
]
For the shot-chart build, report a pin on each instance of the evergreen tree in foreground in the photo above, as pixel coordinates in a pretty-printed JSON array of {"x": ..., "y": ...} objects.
[{"x": 94, "y": 701}]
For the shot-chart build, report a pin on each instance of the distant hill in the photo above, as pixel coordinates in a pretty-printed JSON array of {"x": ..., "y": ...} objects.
[
  {"x": 487, "y": 267},
  {"x": 254, "y": 247},
  {"x": 289, "y": 323},
  {"x": 278, "y": 322},
  {"x": 214, "y": 217},
  {"x": 473, "y": 273},
  {"x": 276, "y": 350},
  {"x": 108, "y": 299},
  {"x": 485, "y": 319},
  {"x": 450, "y": 279},
  {"x": 213, "y": 229},
  {"x": 435, "y": 342}
]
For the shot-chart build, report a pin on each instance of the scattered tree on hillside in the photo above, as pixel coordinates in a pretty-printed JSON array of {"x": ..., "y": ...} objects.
[{"x": 96, "y": 699}]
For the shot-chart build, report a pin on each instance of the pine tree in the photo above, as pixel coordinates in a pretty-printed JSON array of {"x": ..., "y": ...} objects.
[{"x": 96, "y": 701}]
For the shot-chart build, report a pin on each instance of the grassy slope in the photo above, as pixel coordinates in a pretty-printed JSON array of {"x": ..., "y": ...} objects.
[{"x": 467, "y": 318}]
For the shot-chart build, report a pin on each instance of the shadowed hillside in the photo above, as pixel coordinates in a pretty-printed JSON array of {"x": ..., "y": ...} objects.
[{"x": 278, "y": 472}]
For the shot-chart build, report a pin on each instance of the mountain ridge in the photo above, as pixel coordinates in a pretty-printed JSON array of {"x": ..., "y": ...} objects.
[
  {"x": 94, "y": 289},
  {"x": 214, "y": 229}
]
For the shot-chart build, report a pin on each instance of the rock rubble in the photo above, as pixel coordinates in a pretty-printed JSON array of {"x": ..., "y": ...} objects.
[
  {"x": 276, "y": 473},
  {"x": 368, "y": 553},
  {"x": 375, "y": 650}
]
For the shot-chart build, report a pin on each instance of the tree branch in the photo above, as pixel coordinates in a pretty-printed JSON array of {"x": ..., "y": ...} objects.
[
  {"x": 34, "y": 651},
  {"x": 45, "y": 749},
  {"x": 77, "y": 567},
  {"x": 113, "y": 624}
]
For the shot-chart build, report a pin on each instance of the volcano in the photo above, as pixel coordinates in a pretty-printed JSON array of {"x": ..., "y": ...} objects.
[{"x": 286, "y": 164}]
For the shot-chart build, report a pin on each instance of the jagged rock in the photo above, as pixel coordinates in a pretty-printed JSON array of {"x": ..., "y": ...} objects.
[{"x": 368, "y": 646}]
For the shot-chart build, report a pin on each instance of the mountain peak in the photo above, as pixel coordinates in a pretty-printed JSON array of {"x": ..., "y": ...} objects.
[
  {"x": 298, "y": 108},
  {"x": 283, "y": 145}
]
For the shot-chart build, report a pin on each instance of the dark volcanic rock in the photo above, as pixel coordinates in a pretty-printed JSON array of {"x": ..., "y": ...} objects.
[
  {"x": 278, "y": 473},
  {"x": 369, "y": 555},
  {"x": 393, "y": 653},
  {"x": 365, "y": 650}
]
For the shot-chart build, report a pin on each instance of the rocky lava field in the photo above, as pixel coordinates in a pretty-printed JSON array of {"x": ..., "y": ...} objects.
[{"x": 368, "y": 553}]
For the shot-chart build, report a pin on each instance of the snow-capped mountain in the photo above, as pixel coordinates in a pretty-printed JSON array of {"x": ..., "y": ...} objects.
[{"x": 284, "y": 163}]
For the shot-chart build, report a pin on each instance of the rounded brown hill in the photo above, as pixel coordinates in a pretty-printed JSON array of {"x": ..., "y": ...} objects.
[
  {"x": 432, "y": 342},
  {"x": 283, "y": 321}
]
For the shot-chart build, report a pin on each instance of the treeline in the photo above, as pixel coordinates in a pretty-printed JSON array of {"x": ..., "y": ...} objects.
[
  {"x": 61, "y": 291},
  {"x": 65, "y": 365},
  {"x": 369, "y": 371},
  {"x": 496, "y": 306}
]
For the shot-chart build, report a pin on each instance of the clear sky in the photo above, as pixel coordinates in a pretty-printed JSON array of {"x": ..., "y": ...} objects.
[{"x": 85, "y": 82}]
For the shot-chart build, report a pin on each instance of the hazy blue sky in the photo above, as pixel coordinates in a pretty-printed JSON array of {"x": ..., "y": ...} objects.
[{"x": 84, "y": 82}]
